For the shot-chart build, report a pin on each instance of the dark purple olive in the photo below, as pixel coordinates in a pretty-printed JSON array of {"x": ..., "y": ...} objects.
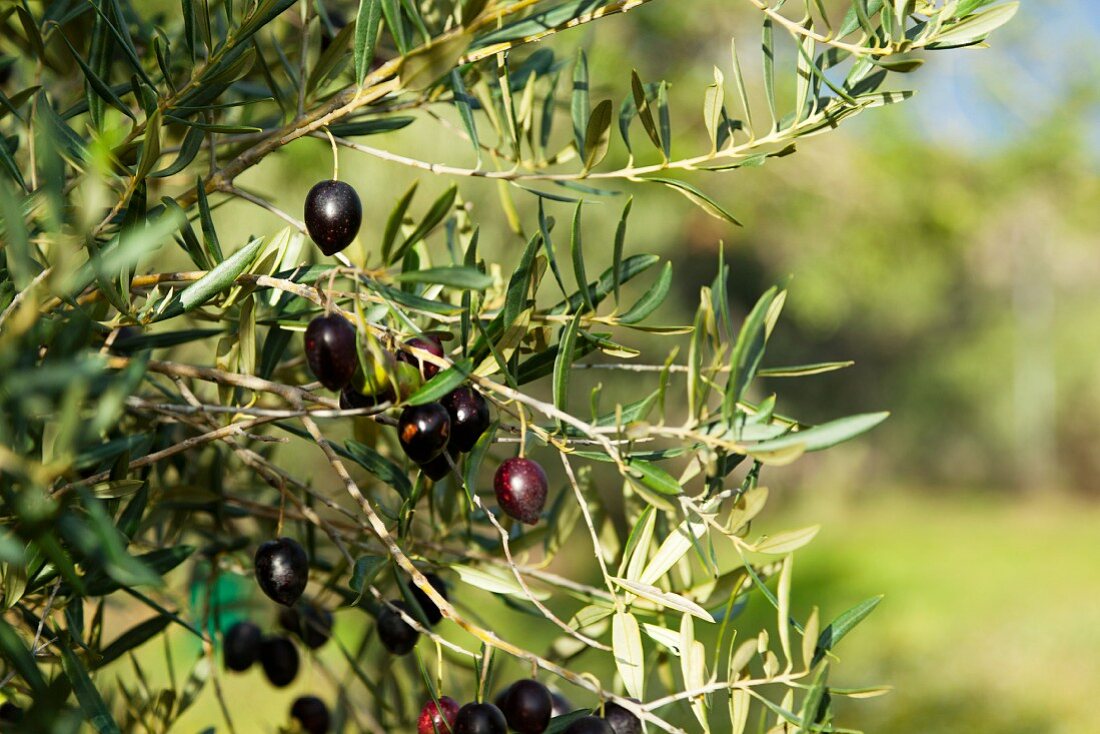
[
  {"x": 562, "y": 705},
  {"x": 333, "y": 214},
  {"x": 312, "y": 713},
  {"x": 429, "y": 344},
  {"x": 312, "y": 624},
  {"x": 469, "y": 417},
  {"x": 589, "y": 725},
  {"x": 437, "y": 468},
  {"x": 528, "y": 706},
  {"x": 396, "y": 634},
  {"x": 282, "y": 570},
  {"x": 331, "y": 350},
  {"x": 241, "y": 646},
  {"x": 520, "y": 486},
  {"x": 431, "y": 611},
  {"x": 279, "y": 659},
  {"x": 620, "y": 720},
  {"x": 424, "y": 431},
  {"x": 350, "y": 399},
  {"x": 480, "y": 718}
]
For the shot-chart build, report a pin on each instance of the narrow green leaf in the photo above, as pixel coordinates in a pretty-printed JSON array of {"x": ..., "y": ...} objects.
[
  {"x": 645, "y": 114},
  {"x": 91, "y": 703},
  {"x": 577, "y": 250},
  {"x": 703, "y": 201},
  {"x": 465, "y": 111},
  {"x": 651, "y": 299},
  {"x": 366, "y": 36},
  {"x": 220, "y": 278},
  {"x": 842, "y": 625},
  {"x": 436, "y": 214},
  {"x": 579, "y": 108},
  {"x": 747, "y": 353},
  {"x": 620, "y": 241},
  {"x": 597, "y": 136},
  {"x": 442, "y": 384},
  {"x": 380, "y": 467},
  {"x": 460, "y": 277},
  {"x": 563, "y": 365}
]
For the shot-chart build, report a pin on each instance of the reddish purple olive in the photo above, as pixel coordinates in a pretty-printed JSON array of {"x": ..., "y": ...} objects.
[
  {"x": 279, "y": 659},
  {"x": 469, "y": 417},
  {"x": 397, "y": 635},
  {"x": 428, "y": 343},
  {"x": 480, "y": 718},
  {"x": 331, "y": 350},
  {"x": 312, "y": 624},
  {"x": 528, "y": 706},
  {"x": 424, "y": 431},
  {"x": 312, "y": 713},
  {"x": 520, "y": 485},
  {"x": 620, "y": 720},
  {"x": 437, "y": 718},
  {"x": 333, "y": 214},
  {"x": 282, "y": 570},
  {"x": 241, "y": 646},
  {"x": 589, "y": 725},
  {"x": 431, "y": 611}
]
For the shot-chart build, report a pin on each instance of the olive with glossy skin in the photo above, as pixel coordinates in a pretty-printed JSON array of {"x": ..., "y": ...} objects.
[
  {"x": 333, "y": 214},
  {"x": 331, "y": 350},
  {"x": 437, "y": 719},
  {"x": 282, "y": 570},
  {"x": 241, "y": 646},
  {"x": 396, "y": 634},
  {"x": 620, "y": 720},
  {"x": 312, "y": 714},
  {"x": 589, "y": 725},
  {"x": 527, "y": 706},
  {"x": 520, "y": 486},
  {"x": 312, "y": 624},
  {"x": 480, "y": 718},
  {"x": 469, "y": 413},
  {"x": 431, "y": 611},
  {"x": 429, "y": 344},
  {"x": 424, "y": 431},
  {"x": 279, "y": 659}
]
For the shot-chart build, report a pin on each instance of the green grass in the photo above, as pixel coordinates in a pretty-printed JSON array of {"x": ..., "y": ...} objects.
[{"x": 989, "y": 621}]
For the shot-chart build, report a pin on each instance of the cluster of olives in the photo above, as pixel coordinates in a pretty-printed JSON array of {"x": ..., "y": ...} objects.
[
  {"x": 525, "y": 707},
  {"x": 432, "y": 434}
]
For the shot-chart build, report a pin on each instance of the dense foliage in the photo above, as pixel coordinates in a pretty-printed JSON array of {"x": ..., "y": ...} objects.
[{"x": 165, "y": 394}]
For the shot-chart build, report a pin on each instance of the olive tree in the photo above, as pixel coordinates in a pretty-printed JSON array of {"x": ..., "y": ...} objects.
[{"x": 166, "y": 394}]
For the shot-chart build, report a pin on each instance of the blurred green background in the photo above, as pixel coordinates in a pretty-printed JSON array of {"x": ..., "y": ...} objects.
[{"x": 949, "y": 245}]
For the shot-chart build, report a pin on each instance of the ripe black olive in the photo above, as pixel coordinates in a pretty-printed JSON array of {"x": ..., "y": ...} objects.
[
  {"x": 480, "y": 718},
  {"x": 528, "y": 706},
  {"x": 333, "y": 214},
  {"x": 437, "y": 468},
  {"x": 241, "y": 646},
  {"x": 331, "y": 350},
  {"x": 396, "y": 634},
  {"x": 431, "y": 611},
  {"x": 282, "y": 570},
  {"x": 279, "y": 658},
  {"x": 312, "y": 713},
  {"x": 469, "y": 417},
  {"x": 620, "y": 720},
  {"x": 312, "y": 624},
  {"x": 520, "y": 486},
  {"x": 562, "y": 705},
  {"x": 589, "y": 725},
  {"x": 424, "y": 431},
  {"x": 428, "y": 343}
]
